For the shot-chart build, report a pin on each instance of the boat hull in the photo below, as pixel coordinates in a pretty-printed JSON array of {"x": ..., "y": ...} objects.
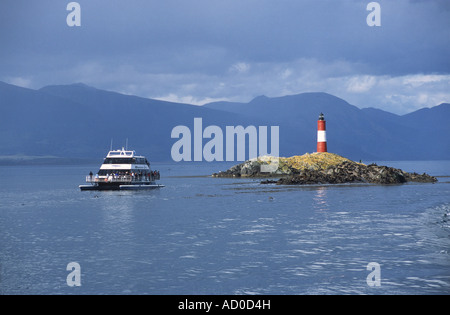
[{"x": 106, "y": 187}]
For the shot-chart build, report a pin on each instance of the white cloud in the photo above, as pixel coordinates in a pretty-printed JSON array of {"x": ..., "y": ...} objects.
[
  {"x": 286, "y": 74},
  {"x": 361, "y": 84},
  {"x": 240, "y": 67},
  {"x": 189, "y": 99},
  {"x": 403, "y": 94},
  {"x": 19, "y": 81},
  {"x": 243, "y": 81},
  {"x": 421, "y": 79},
  {"x": 396, "y": 94}
]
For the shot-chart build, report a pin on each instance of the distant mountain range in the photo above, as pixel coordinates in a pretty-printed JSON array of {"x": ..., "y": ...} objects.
[{"x": 77, "y": 122}]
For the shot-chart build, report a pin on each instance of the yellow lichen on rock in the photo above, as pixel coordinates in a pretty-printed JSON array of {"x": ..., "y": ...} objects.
[
  {"x": 274, "y": 166},
  {"x": 314, "y": 161}
]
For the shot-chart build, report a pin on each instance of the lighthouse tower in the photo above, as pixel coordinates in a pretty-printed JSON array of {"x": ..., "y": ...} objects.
[{"x": 321, "y": 135}]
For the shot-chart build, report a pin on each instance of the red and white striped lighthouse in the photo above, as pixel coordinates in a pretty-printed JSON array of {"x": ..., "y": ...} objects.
[{"x": 321, "y": 134}]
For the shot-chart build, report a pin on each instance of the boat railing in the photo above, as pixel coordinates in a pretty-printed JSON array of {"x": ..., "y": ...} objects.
[{"x": 120, "y": 179}]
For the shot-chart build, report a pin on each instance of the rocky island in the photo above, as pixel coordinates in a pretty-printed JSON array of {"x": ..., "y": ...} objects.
[{"x": 321, "y": 168}]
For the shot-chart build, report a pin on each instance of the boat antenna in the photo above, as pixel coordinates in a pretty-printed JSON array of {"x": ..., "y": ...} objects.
[{"x": 110, "y": 149}]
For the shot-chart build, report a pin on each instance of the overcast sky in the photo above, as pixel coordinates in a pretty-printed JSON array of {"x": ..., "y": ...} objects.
[{"x": 197, "y": 51}]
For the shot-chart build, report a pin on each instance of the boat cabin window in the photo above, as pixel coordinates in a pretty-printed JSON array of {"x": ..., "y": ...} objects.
[
  {"x": 118, "y": 161},
  {"x": 121, "y": 153},
  {"x": 142, "y": 161}
]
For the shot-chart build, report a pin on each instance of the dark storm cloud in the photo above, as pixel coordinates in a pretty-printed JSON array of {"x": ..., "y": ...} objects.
[
  {"x": 233, "y": 48},
  {"x": 413, "y": 37}
]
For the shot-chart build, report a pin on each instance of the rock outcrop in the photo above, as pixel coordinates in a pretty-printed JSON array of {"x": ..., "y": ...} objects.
[{"x": 321, "y": 168}]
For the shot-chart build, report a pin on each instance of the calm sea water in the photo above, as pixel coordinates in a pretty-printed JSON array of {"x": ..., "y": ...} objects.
[{"x": 203, "y": 235}]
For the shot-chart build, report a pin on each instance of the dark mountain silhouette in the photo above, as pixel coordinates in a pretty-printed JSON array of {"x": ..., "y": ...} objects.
[
  {"x": 356, "y": 133},
  {"x": 78, "y": 122}
]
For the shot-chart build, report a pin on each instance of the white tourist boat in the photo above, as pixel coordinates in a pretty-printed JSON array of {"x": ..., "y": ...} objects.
[{"x": 123, "y": 170}]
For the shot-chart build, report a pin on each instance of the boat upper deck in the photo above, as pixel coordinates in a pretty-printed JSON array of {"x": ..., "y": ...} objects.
[
  {"x": 122, "y": 159},
  {"x": 122, "y": 154}
]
